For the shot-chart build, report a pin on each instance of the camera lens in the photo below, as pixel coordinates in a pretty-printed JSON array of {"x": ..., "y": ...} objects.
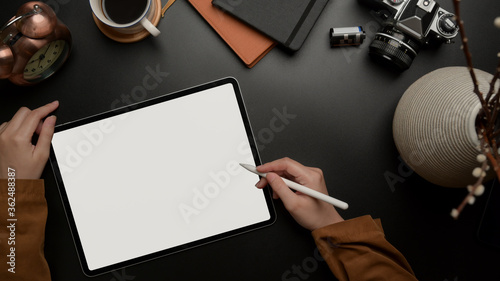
[{"x": 394, "y": 48}]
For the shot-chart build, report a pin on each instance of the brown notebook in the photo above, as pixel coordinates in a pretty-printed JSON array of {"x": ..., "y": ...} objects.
[{"x": 249, "y": 44}]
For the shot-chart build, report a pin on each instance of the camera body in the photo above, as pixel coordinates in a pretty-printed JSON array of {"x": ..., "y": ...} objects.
[{"x": 408, "y": 25}]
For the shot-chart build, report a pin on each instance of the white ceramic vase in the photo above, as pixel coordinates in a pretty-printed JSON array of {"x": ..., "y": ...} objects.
[{"x": 434, "y": 126}]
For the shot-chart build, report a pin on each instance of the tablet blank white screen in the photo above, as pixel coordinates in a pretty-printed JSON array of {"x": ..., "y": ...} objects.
[{"x": 159, "y": 177}]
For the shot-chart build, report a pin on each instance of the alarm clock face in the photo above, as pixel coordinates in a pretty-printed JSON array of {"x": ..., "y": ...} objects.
[{"x": 46, "y": 61}]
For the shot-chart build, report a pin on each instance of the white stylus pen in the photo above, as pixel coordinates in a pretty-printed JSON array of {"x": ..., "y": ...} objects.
[{"x": 304, "y": 189}]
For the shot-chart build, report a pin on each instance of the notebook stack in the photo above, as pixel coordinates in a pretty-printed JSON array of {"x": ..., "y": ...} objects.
[{"x": 253, "y": 28}]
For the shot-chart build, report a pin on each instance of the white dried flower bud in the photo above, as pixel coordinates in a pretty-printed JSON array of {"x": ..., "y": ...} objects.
[
  {"x": 479, "y": 190},
  {"x": 497, "y": 22},
  {"x": 469, "y": 188},
  {"x": 481, "y": 158},
  {"x": 477, "y": 172},
  {"x": 454, "y": 213},
  {"x": 471, "y": 200}
]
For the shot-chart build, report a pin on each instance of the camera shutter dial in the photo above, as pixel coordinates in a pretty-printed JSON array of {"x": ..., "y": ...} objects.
[{"x": 447, "y": 25}]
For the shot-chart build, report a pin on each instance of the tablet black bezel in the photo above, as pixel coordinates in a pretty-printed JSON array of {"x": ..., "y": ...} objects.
[{"x": 122, "y": 110}]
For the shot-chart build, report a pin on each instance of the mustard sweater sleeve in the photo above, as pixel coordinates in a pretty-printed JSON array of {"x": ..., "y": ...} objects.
[
  {"x": 22, "y": 234},
  {"x": 356, "y": 249}
]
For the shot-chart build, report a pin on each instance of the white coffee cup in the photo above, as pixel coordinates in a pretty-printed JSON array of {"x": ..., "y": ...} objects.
[{"x": 136, "y": 26}]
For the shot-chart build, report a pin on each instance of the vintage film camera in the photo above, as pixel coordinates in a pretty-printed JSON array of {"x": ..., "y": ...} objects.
[{"x": 407, "y": 26}]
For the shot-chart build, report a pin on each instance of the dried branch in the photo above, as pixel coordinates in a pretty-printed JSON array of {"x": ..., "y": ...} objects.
[
  {"x": 486, "y": 123},
  {"x": 465, "y": 47},
  {"x": 477, "y": 189},
  {"x": 491, "y": 153},
  {"x": 493, "y": 82}
]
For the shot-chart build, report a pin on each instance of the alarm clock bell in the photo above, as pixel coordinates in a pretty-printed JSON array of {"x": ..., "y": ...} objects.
[{"x": 34, "y": 45}]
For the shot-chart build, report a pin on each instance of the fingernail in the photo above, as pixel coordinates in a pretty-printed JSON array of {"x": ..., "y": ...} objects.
[
  {"x": 51, "y": 121},
  {"x": 259, "y": 183}
]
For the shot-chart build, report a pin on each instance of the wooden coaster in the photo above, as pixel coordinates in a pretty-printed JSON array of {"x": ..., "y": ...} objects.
[{"x": 134, "y": 37}]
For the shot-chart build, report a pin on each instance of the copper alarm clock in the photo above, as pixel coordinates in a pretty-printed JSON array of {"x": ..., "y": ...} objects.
[{"x": 34, "y": 45}]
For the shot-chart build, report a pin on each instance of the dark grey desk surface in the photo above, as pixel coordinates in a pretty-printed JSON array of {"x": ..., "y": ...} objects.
[{"x": 343, "y": 105}]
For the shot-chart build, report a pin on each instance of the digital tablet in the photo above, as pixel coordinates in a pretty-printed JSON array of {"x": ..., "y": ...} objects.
[{"x": 160, "y": 176}]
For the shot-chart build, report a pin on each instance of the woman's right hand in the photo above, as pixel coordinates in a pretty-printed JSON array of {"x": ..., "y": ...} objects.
[{"x": 309, "y": 212}]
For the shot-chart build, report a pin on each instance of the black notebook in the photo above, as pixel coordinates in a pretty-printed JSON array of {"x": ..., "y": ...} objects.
[{"x": 286, "y": 21}]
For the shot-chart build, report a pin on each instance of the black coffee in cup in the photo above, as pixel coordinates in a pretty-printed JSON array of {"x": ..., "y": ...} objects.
[{"x": 124, "y": 11}]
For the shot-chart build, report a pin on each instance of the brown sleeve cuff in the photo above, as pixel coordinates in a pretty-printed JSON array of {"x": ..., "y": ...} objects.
[
  {"x": 22, "y": 235},
  {"x": 356, "y": 249},
  {"x": 28, "y": 189},
  {"x": 350, "y": 230}
]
